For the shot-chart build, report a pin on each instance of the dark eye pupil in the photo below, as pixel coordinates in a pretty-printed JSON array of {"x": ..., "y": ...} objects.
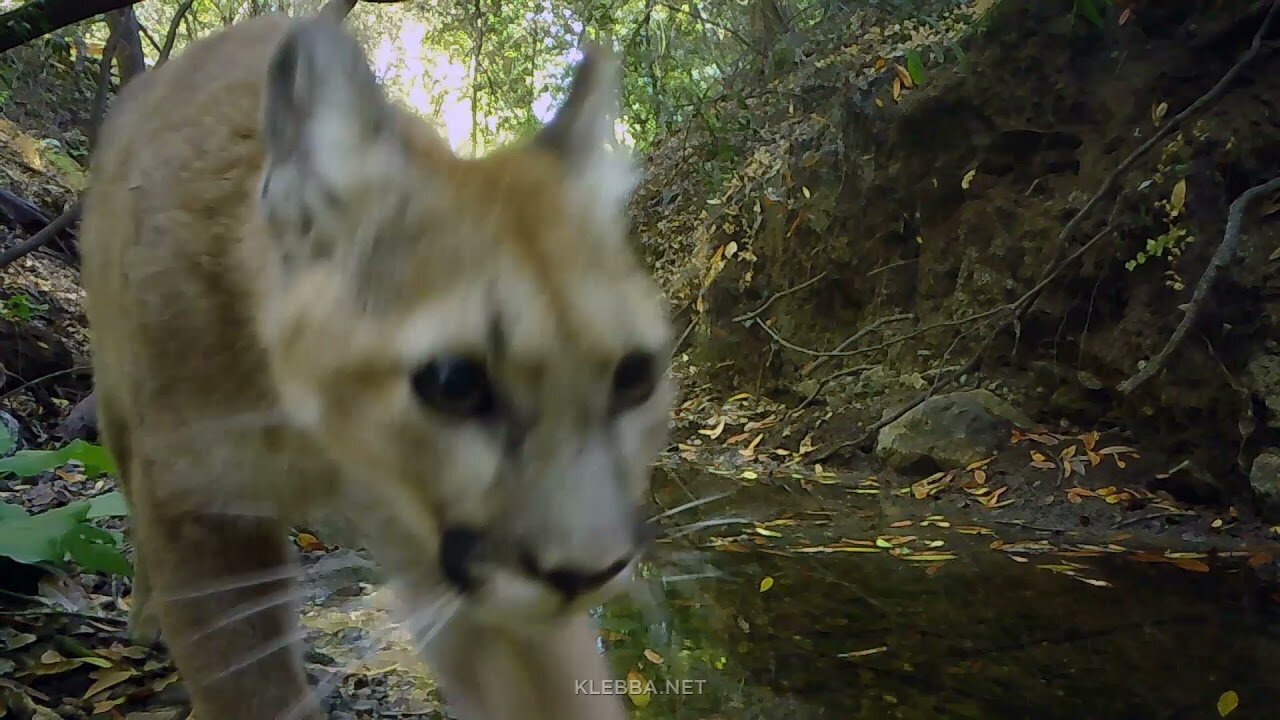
[
  {"x": 455, "y": 386},
  {"x": 633, "y": 380}
]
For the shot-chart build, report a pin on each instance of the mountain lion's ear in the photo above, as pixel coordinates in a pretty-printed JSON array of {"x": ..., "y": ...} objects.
[
  {"x": 326, "y": 123},
  {"x": 582, "y": 133}
]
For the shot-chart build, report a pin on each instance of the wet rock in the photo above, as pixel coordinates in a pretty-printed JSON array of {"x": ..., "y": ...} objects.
[
  {"x": 1264, "y": 477},
  {"x": 1262, "y": 376},
  {"x": 949, "y": 431}
]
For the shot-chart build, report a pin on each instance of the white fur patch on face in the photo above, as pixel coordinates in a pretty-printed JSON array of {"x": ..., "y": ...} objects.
[{"x": 454, "y": 322}]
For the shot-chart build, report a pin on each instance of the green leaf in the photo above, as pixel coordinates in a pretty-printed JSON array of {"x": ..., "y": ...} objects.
[
  {"x": 39, "y": 538},
  {"x": 95, "y": 458},
  {"x": 26, "y": 463},
  {"x": 915, "y": 67},
  {"x": 83, "y": 545},
  {"x": 110, "y": 504},
  {"x": 11, "y": 510},
  {"x": 1089, "y": 8},
  {"x": 6, "y": 440}
]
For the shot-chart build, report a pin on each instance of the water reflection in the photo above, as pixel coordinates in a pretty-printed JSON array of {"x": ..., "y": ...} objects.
[{"x": 870, "y": 636}]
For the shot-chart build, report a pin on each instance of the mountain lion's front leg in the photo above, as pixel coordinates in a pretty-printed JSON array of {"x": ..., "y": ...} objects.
[
  {"x": 236, "y": 647},
  {"x": 546, "y": 673}
]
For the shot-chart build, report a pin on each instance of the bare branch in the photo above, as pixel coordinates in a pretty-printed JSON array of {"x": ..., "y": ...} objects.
[
  {"x": 171, "y": 36},
  {"x": 42, "y": 238},
  {"x": 1225, "y": 253},
  {"x": 38, "y": 18}
]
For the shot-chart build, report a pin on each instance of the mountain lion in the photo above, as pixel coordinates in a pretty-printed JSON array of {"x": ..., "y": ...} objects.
[{"x": 302, "y": 302}]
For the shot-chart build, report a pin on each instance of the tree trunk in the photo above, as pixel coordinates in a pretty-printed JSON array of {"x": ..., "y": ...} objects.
[
  {"x": 128, "y": 47},
  {"x": 40, "y": 17}
]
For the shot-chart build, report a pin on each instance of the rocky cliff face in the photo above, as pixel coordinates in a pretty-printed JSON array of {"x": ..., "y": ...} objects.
[{"x": 907, "y": 180}]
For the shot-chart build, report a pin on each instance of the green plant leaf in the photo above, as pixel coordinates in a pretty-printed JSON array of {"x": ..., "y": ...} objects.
[
  {"x": 95, "y": 550},
  {"x": 8, "y": 511},
  {"x": 1089, "y": 8},
  {"x": 25, "y": 463},
  {"x": 110, "y": 504},
  {"x": 39, "y": 538},
  {"x": 6, "y": 440},
  {"x": 95, "y": 458},
  {"x": 915, "y": 67}
]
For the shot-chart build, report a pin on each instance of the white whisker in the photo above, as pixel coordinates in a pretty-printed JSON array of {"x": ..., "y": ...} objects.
[
  {"x": 245, "y": 610},
  {"x": 690, "y": 505},
  {"x": 678, "y": 532},
  {"x": 257, "y": 654},
  {"x": 259, "y": 577},
  {"x": 691, "y": 576}
]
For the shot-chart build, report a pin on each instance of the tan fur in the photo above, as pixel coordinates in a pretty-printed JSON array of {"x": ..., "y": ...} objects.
[{"x": 242, "y": 389}]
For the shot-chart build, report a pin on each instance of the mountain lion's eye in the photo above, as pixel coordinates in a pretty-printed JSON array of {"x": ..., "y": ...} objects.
[
  {"x": 457, "y": 386},
  {"x": 633, "y": 380}
]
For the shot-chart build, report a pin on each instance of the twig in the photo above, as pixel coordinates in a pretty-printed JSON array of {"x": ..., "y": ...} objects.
[
  {"x": 1165, "y": 130},
  {"x": 765, "y": 305},
  {"x": 42, "y": 378},
  {"x": 1225, "y": 253},
  {"x": 892, "y": 265},
  {"x": 1150, "y": 516},
  {"x": 42, "y": 238},
  {"x": 684, "y": 336},
  {"x": 824, "y": 382},
  {"x": 1029, "y": 526}
]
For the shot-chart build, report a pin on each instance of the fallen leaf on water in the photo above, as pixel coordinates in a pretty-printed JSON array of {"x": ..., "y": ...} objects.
[
  {"x": 968, "y": 179},
  {"x": 974, "y": 530},
  {"x": 637, "y": 688},
  {"x": 766, "y": 583},
  {"x": 992, "y": 499},
  {"x": 1116, "y": 450},
  {"x": 1043, "y": 465},
  {"x": 749, "y": 475},
  {"x": 1068, "y": 452},
  {"x": 1227, "y": 703},
  {"x": 1192, "y": 565},
  {"x": 766, "y": 532},
  {"x": 864, "y": 653},
  {"x": 980, "y": 476},
  {"x": 1259, "y": 559},
  {"x": 1091, "y": 581},
  {"x": 1038, "y": 456},
  {"x": 929, "y": 557},
  {"x": 837, "y": 548},
  {"x": 653, "y": 657},
  {"x": 902, "y": 524}
]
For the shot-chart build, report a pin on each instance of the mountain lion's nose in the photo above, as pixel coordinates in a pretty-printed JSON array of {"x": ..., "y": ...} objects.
[{"x": 572, "y": 582}]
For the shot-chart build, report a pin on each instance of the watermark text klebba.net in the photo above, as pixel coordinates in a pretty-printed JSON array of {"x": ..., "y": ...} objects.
[{"x": 631, "y": 686}]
